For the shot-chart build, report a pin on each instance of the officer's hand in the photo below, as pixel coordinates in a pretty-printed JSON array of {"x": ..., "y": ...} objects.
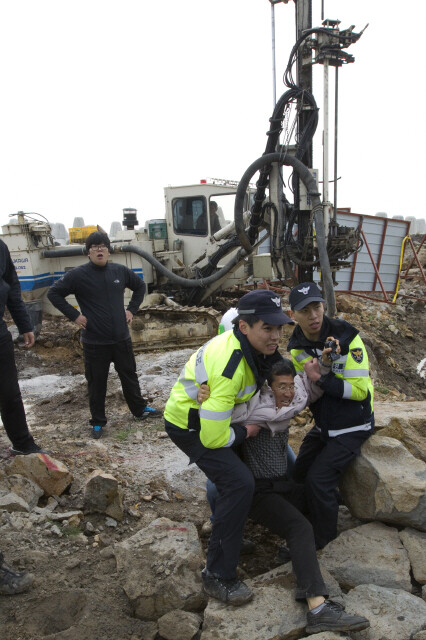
[
  {"x": 29, "y": 339},
  {"x": 81, "y": 321},
  {"x": 129, "y": 316},
  {"x": 203, "y": 393},
  {"x": 312, "y": 369},
  {"x": 326, "y": 351},
  {"x": 252, "y": 430}
]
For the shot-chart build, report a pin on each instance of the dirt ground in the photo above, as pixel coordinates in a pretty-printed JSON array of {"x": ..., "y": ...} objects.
[{"x": 75, "y": 593}]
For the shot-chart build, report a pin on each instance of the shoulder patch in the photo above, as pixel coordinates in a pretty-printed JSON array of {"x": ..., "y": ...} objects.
[
  {"x": 357, "y": 355},
  {"x": 232, "y": 365}
]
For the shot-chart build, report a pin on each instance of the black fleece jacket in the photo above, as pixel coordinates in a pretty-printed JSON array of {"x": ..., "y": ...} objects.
[{"x": 100, "y": 294}]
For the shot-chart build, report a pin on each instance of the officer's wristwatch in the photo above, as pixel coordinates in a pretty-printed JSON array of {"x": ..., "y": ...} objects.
[{"x": 320, "y": 381}]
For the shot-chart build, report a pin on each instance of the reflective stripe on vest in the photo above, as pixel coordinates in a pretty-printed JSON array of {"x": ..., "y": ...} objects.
[{"x": 361, "y": 427}]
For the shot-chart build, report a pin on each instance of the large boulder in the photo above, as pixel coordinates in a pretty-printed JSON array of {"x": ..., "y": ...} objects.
[
  {"x": 179, "y": 625},
  {"x": 415, "y": 543},
  {"x": 273, "y": 614},
  {"x": 385, "y": 482},
  {"x": 102, "y": 493},
  {"x": 284, "y": 577},
  {"x": 159, "y": 569},
  {"x": 371, "y": 553},
  {"x": 50, "y": 474},
  {"x": 393, "y": 614},
  {"x": 26, "y": 490},
  {"x": 404, "y": 421}
]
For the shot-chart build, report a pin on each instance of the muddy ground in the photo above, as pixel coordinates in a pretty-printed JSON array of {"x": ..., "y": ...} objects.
[{"x": 75, "y": 593}]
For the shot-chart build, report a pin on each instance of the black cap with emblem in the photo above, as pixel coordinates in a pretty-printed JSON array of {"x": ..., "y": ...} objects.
[
  {"x": 304, "y": 294},
  {"x": 264, "y": 304}
]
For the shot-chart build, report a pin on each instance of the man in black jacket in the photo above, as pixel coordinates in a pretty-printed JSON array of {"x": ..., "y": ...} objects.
[
  {"x": 11, "y": 406},
  {"x": 99, "y": 289},
  {"x": 343, "y": 415}
]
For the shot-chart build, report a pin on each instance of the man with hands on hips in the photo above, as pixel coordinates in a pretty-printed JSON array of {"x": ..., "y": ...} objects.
[{"x": 99, "y": 289}]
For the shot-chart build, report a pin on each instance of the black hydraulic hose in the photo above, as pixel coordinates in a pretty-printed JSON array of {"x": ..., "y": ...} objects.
[
  {"x": 64, "y": 252},
  {"x": 311, "y": 187},
  {"x": 183, "y": 282},
  {"x": 128, "y": 248}
]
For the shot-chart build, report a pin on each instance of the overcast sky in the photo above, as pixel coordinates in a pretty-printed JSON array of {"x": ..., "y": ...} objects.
[{"x": 105, "y": 102}]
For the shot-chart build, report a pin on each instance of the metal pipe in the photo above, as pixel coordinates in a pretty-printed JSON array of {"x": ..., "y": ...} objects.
[
  {"x": 336, "y": 117},
  {"x": 274, "y": 78},
  {"x": 325, "y": 178}
]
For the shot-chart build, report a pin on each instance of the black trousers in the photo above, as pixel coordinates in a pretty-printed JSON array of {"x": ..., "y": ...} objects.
[
  {"x": 97, "y": 360},
  {"x": 319, "y": 466},
  {"x": 278, "y": 505},
  {"x": 235, "y": 485},
  {"x": 11, "y": 406}
]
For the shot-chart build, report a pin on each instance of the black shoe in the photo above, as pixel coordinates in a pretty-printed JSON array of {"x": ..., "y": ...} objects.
[
  {"x": 26, "y": 449},
  {"x": 232, "y": 592},
  {"x": 283, "y": 555},
  {"x": 12, "y": 582},
  {"x": 332, "y": 617},
  {"x": 149, "y": 412},
  {"x": 97, "y": 431}
]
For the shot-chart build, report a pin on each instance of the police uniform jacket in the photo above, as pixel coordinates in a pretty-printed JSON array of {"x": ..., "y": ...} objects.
[
  {"x": 233, "y": 372},
  {"x": 347, "y": 404}
]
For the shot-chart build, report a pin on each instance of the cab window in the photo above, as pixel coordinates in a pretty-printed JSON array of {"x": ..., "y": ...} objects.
[{"x": 190, "y": 216}]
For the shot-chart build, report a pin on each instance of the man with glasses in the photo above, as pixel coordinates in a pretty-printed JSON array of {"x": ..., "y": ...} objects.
[
  {"x": 278, "y": 503},
  {"x": 99, "y": 289}
]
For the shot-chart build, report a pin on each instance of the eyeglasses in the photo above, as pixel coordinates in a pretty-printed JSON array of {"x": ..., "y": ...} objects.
[
  {"x": 286, "y": 387},
  {"x": 98, "y": 247}
]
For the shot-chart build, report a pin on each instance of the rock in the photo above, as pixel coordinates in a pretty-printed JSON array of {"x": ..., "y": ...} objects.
[
  {"x": 393, "y": 614},
  {"x": 179, "y": 625},
  {"x": 206, "y": 529},
  {"x": 102, "y": 494},
  {"x": 348, "y": 304},
  {"x": 107, "y": 552},
  {"x": 420, "y": 636},
  {"x": 159, "y": 569},
  {"x": 284, "y": 577},
  {"x": 110, "y": 522},
  {"x": 12, "y": 502},
  {"x": 415, "y": 544},
  {"x": 404, "y": 421},
  {"x": 23, "y": 487},
  {"x": 326, "y": 635},
  {"x": 386, "y": 483},
  {"x": 49, "y": 474},
  {"x": 76, "y": 516},
  {"x": 273, "y": 614},
  {"x": 371, "y": 553}
]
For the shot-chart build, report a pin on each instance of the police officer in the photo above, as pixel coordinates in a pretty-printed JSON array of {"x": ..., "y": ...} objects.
[
  {"x": 343, "y": 415},
  {"x": 234, "y": 364}
]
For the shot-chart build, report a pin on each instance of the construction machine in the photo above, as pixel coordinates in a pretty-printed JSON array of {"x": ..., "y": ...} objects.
[{"x": 278, "y": 226}]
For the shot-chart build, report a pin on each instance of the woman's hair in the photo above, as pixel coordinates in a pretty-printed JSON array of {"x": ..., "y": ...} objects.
[{"x": 284, "y": 367}]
